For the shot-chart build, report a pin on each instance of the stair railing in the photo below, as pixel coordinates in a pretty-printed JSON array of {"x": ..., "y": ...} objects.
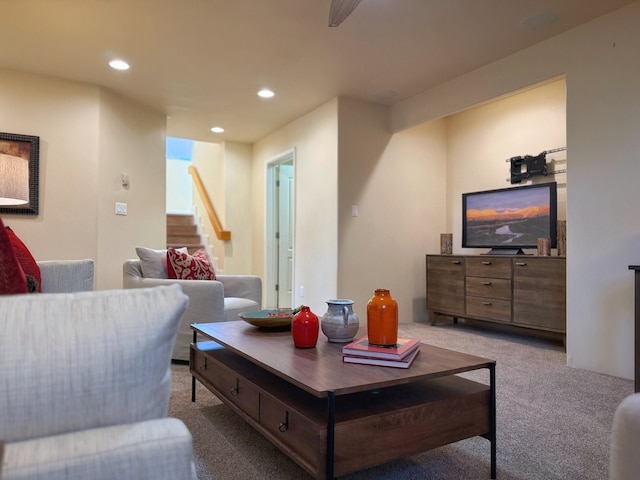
[{"x": 222, "y": 234}]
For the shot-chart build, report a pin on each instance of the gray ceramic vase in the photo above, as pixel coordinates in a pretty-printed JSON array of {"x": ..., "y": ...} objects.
[{"x": 340, "y": 323}]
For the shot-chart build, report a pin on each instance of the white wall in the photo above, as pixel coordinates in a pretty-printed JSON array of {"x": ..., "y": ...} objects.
[
  {"x": 179, "y": 186},
  {"x": 32, "y": 105},
  {"x": 315, "y": 139},
  {"x": 599, "y": 60},
  {"x": 208, "y": 160},
  {"x": 479, "y": 141},
  {"x": 131, "y": 141},
  {"x": 237, "y": 178},
  {"x": 88, "y": 137},
  {"x": 401, "y": 183},
  {"x": 398, "y": 184},
  {"x": 225, "y": 170}
]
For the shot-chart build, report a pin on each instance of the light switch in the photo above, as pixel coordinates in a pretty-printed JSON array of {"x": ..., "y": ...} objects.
[
  {"x": 121, "y": 208},
  {"x": 354, "y": 210}
]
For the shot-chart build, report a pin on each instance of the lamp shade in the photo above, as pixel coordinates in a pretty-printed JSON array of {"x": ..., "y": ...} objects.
[{"x": 14, "y": 180}]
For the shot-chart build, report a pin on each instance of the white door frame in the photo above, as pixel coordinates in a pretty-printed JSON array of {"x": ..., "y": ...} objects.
[{"x": 271, "y": 218}]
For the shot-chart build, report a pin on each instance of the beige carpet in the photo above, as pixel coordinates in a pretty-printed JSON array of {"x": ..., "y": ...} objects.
[{"x": 553, "y": 421}]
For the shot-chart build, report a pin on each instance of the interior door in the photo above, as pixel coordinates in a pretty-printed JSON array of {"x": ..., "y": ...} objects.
[
  {"x": 279, "y": 240},
  {"x": 284, "y": 236}
]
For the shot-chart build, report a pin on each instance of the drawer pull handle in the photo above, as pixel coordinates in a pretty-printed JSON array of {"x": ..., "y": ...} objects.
[
  {"x": 284, "y": 426},
  {"x": 521, "y": 264},
  {"x": 203, "y": 367},
  {"x": 486, "y": 283},
  {"x": 486, "y": 303},
  {"x": 455, "y": 262},
  {"x": 234, "y": 391},
  {"x": 486, "y": 262}
]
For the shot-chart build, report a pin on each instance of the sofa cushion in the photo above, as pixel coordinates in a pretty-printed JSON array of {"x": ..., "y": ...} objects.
[
  {"x": 234, "y": 306},
  {"x": 12, "y": 277},
  {"x": 26, "y": 260},
  {"x": 183, "y": 266},
  {"x": 85, "y": 360},
  {"x": 158, "y": 449},
  {"x": 154, "y": 262}
]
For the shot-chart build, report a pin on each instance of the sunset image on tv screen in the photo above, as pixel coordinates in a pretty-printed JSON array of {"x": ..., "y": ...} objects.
[{"x": 511, "y": 217}]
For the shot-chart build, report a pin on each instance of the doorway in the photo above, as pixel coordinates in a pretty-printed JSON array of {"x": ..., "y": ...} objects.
[{"x": 280, "y": 238}]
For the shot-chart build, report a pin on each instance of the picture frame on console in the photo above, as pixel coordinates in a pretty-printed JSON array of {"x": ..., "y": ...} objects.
[{"x": 19, "y": 169}]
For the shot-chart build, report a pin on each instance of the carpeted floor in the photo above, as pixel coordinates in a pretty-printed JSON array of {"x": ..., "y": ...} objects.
[{"x": 553, "y": 421}]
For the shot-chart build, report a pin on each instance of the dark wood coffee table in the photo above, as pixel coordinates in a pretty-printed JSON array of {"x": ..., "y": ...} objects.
[{"x": 333, "y": 418}]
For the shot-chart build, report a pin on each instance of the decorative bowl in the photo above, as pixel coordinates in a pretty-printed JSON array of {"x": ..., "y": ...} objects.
[{"x": 272, "y": 319}]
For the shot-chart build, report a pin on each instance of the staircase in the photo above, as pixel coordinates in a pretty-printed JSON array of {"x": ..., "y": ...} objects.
[{"x": 182, "y": 231}]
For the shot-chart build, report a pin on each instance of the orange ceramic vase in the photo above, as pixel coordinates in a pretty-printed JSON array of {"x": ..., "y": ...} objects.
[
  {"x": 382, "y": 319},
  {"x": 304, "y": 328}
]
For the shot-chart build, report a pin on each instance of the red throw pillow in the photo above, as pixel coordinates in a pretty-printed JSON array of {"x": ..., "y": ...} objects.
[
  {"x": 26, "y": 260},
  {"x": 183, "y": 266},
  {"x": 12, "y": 277}
]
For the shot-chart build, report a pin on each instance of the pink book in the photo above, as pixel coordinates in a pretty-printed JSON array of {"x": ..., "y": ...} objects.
[
  {"x": 404, "y": 363},
  {"x": 363, "y": 348}
]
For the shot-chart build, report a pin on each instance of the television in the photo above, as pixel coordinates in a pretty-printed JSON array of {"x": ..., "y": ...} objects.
[{"x": 507, "y": 220}]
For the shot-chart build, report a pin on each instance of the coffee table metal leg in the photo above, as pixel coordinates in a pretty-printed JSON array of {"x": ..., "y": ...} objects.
[
  {"x": 492, "y": 417},
  {"x": 331, "y": 423},
  {"x": 193, "y": 379}
]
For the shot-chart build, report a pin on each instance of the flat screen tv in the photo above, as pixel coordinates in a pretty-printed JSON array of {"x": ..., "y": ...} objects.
[{"x": 507, "y": 220}]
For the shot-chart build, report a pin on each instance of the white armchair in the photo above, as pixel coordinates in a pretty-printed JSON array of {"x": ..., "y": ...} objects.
[
  {"x": 624, "y": 462},
  {"x": 85, "y": 383},
  {"x": 209, "y": 300}
]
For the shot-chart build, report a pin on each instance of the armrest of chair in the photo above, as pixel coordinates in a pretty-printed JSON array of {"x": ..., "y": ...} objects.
[
  {"x": 624, "y": 460},
  {"x": 66, "y": 276},
  {"x": 242, "y": 286}
]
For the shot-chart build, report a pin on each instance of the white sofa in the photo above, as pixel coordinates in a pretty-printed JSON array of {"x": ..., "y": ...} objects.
[
  {"x": 84, "y": 386},
  {"x": 209, "y": 300}
]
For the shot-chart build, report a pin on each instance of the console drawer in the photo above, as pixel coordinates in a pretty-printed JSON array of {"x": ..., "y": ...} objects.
[
  {"x": 495, "y": 309},
  {"x": 489, "y": 287},
  {"x": 488, "y": 267}
]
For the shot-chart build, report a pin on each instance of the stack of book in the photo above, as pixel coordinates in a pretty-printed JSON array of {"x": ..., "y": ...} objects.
[{"x": 401, "y": 355}]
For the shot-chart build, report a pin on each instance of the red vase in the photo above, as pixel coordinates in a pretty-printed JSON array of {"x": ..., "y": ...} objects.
[
  {"x": 382, "y": 319},
  {"x": 304, "y": 328}
]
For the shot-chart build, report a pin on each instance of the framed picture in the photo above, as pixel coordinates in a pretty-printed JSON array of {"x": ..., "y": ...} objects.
[{"x": 25, "y": 147}]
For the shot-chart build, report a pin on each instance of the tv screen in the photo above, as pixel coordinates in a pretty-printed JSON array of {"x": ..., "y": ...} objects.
[{"x": 507, "y": 220}]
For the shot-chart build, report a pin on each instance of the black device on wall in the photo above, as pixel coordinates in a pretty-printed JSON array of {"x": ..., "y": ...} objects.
[
  {"x": 527, "y": 166},
  {"x": 506, "y": 220}
]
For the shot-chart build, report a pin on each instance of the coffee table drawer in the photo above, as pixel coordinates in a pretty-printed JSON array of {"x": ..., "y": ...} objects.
[
  {"x": 235, "y": 388},
  {"x": 297, "y": 433}
]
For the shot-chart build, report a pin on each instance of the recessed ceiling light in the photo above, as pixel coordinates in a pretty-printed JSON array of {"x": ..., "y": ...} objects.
[
  {"x": 265, "y": 93},
  {"x": 217, "y": 129},
  {"x": 118, "y": 64}
]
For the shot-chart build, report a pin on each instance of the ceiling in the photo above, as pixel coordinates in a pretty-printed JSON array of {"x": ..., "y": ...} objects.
[{"x": 202, "y": 61}]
